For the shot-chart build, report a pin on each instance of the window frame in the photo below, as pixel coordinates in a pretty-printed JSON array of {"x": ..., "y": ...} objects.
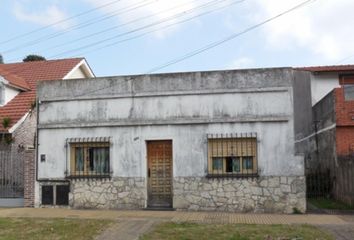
[
  {"x": 2, "y": 93},
  {"x": 87, "y": 173},
  {"x": 238, "y": 147}
]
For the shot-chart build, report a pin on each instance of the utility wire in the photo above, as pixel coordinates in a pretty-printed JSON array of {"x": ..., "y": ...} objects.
[
  {"x": 80, "y": 25},
  {"x": 344, "y": 59},
  {"x": 139, "y": 28},
  {"x": 118, "y": 26},
  {"x": 144, "y": 33},
  {"x": 229, "y": 38},
  {"x": 209, "y": 46},
  {"x": 191, "y": 54},
  {"x": 59, "y": 22},
  {"x": 161, "y": 28}
]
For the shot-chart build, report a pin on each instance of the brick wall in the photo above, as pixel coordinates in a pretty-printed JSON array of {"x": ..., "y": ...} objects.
[
  {"x": 343, "y": 184},
  {"x": 23, "y": 138},
  {"x": 345, "y": 124},
  {"x": 29, "y": 178}
]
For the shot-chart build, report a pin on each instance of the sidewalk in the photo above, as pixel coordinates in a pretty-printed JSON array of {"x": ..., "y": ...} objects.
[{"x": 178, "y": 216}]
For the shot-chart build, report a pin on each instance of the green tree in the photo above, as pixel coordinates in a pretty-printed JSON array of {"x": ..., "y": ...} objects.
[
  {"x": 6, "y": 138},
  {"x": 33, "y": 57},
  {"x": 1, "y": 59}
]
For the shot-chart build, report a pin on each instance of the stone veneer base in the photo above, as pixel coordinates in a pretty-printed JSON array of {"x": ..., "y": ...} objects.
[
  {"x": 115, "y": 193},
  {"x": 263, "y": 194},
  {"x": 260, "y": 195}
]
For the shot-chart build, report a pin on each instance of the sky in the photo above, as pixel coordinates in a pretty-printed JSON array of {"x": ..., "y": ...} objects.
[{"x": 124, "y": 37}]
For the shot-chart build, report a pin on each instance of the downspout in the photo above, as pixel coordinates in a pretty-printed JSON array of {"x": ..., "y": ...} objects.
[{"x": 37, "y": 131}]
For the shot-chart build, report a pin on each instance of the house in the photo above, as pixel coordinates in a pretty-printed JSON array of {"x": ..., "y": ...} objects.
[
  {"x": 325, "y": 78},
  {"x": 18, "y": 121},
  {"x": 329, "y": 148},
  {"x": 218, "y": 140}
]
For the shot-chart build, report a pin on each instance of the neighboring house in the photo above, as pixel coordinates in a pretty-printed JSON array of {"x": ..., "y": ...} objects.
[
  {"x": 330, "y": 147},
  {"x": 18, "y": 119},
  {"x": 325, "y": 78},
  {"x": 218, "y": 140}
]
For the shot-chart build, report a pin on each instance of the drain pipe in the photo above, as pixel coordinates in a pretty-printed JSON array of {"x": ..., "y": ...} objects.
[{"x": 37, "y": 144}]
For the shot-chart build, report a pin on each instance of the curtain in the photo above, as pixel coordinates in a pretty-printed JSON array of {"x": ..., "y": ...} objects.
[
  {"x": 235, "y": 164},
  {"x": 79, "y": 159},
  {"x": 101, "y": 160}
]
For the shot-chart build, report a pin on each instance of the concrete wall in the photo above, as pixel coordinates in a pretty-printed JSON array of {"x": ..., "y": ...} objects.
[
  {"x": 320, "y": 145},
  {"x": 183, "y": 107},
  {"x": 302, "y": 108}
]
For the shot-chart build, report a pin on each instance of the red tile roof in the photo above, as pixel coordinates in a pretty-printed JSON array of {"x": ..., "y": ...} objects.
[
  {"x": 335, "y": 68},
  {"x": 25, "y": 75}
]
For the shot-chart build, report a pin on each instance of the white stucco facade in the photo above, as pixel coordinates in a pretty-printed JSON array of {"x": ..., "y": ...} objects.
[
  {"x": 10, "y": 93},
  {"x": 183, "y": 108},
  {"x": 266, "y": 113},
  {"x": 7, "y": 93}
]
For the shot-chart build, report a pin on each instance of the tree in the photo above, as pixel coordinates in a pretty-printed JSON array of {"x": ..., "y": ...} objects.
[
  {"x": 6, "y": 138},
  {"x": 33, "y": 57},
  {"x": 1, "y": 59}
]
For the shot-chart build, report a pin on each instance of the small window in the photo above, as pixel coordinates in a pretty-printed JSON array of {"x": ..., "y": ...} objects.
[
  {"x": 217, "y": 164},
  {"x": 47, "y": 195},
  {"x": 62, "y": 194},
  {"x": 346, "y": 79},
  {"x": 233, "y": 164},
  {"x": 232, "y": 155},
  {"x": 247, "y": 163},
  {"x": 90, "y": 159}
]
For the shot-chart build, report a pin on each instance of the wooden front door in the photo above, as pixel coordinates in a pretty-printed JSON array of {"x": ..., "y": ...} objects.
[{"x": 159, "y": 154}]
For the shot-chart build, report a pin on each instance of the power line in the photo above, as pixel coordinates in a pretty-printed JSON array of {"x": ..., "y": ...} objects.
[
  {"x": 229, "y": 38},
  {"x": 212, "y": 44},
  {"x": 185, "y": 20},
  {"x": 344, "y": 59},
  {"x": 140, "y": 28},
  {"x": 164, "y": 27},
  {"x": 80, "y": 25},
  {"x": 59, "y": 22},
  {"x": 118, "y": 26}
]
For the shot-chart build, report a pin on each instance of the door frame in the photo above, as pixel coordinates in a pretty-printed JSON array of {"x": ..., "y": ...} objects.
[{"x": 147, "y": 168}]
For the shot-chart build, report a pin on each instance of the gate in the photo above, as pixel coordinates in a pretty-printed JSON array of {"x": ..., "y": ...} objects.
[
  {"x": 332, "y": 190},
  {"x": 11, "y": 177}
]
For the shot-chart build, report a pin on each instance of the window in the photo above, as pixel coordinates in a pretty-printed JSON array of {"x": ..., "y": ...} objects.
[
  {"x": 47, "y": 195},
  {"x": 346, "y": 79},
  {"x": 90, "y": 159},
  {"x": 61, "y": 196},
  {"x": 233, "y": 155},
  {"x": 2, "y": 94}
]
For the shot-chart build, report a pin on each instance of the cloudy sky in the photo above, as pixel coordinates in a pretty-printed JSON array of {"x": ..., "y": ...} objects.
[{"x": 120, "y": 37}]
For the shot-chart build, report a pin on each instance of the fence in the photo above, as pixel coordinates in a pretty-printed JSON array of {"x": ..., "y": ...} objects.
[
  {"x": 319, "y": 184},
  {"x": 11, "y": 173},
  {"x": 344, "y": 181},
  {"x": 336, "y": 183}
]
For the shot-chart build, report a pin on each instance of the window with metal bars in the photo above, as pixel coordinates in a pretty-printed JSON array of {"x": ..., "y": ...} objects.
[
  {"x": 232, "y": 155},
  {"x": 89, "y": 159}
]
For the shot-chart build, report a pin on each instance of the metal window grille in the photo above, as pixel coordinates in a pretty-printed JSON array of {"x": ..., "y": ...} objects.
[
  {"x": 62, "y": 194},
  {"x": 232, "y": 155},
  {"x": 47, "y": 195},
  {"x": 89, "y": 158}
]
